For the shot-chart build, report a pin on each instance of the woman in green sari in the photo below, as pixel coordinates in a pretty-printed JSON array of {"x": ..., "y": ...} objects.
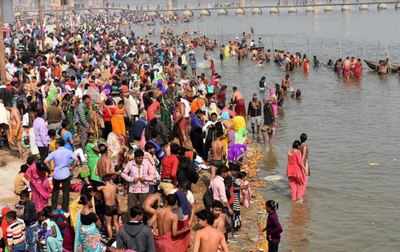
[{"x": 93, "y": 156}]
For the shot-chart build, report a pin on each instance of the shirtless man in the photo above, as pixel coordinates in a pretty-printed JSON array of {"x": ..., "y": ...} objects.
[
  {"x": 104, "y": 165},
  {"x": 218, "y": 151},
  {"x": 109, "y": 191},
  {"x": 167, "y": 227},
  {"x": 219, "y": 221},
  {"x": 208, "y": 239},
  {"x": 150, "y": 206},
  {"x": 346, "y": 68}
]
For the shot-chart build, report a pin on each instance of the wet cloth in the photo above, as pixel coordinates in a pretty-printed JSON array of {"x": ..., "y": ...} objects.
[
  {"x": 165, "y": 243},
  {"x": 296, "y": 175}
]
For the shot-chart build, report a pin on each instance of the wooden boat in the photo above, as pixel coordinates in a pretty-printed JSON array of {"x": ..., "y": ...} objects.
[
  {"x": 394, "y": 68},
  {"x": 371, "y": 64}
]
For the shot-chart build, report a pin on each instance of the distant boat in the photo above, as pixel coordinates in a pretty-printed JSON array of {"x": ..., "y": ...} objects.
[{"x": 373, "y": 65}]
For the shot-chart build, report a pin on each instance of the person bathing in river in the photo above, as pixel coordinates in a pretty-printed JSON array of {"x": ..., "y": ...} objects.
[
  {"x": 338, "y": 66},
  {"x": 269, "y": 119},
  {"x": 254, "y": 114},
  {"x": 383, "y": 67},
  {"x": 304, "y": 154},
  {"x": 306, "y": 64},
  {"x": 346, "y": 68},
  {"x": 296, "y": 173},
  {"x": 261, "y": 83},
  {"x": 285, "y": 85},
  {"x": 357, "y": 70},
  {"x": 315, "y": 62}
]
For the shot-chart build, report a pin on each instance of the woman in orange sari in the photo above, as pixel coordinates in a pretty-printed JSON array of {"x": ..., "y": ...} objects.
[{"x": 117, "y": 119}]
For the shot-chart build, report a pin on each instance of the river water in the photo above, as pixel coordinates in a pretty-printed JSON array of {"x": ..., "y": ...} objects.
[{"x": 352, "y": 199}]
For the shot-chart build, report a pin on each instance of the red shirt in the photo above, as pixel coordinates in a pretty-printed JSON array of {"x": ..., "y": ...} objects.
[
  {"x": 107, "y": 114},
  {"x": 152, "y": 110},
  {"x": 169, "y": 167}
]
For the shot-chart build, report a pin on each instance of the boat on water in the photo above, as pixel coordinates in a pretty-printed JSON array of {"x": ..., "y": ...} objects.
[{"x": 373, "y": 65}]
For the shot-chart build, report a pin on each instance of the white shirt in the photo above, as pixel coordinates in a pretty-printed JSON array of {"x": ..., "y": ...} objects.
[
  {"x": 78, "y": 153},
  {"x": 131, "y": 106},
  {"x": 187, "y": 107}
]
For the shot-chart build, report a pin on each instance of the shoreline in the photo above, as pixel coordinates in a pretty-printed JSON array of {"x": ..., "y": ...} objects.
[{"x": 249, "y": 237}]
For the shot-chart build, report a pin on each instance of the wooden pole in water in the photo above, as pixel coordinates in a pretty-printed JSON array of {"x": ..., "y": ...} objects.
[{"x": 2, "y": 56}]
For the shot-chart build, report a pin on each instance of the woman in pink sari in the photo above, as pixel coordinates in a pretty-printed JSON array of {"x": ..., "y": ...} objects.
[
  {"x": 296, "y": 173},
  {"x": 274, "y": 101},
  {"x": 39, "y": 182}
]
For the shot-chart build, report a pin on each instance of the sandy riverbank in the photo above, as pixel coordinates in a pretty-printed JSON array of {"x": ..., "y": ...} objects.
[{"x": 247, "y": 239}]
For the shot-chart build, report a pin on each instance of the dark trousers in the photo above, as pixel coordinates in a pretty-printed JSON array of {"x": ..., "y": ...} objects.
[
  {"x": 136, "y": 199},
  {"x": 106, "y": 130},
  {"x": 43, "y": 152},
  {"x": 273, "y": 246},
  {"x": 57, "y": 184}
]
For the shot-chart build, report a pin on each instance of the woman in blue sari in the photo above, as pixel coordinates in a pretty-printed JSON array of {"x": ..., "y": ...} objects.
[{"x": 87, "y": 235}]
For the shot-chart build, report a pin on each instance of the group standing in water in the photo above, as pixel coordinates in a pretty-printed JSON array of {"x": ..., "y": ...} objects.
[
  {"x": 347, "y": 68},
  {"x": 298, "y": 169}
]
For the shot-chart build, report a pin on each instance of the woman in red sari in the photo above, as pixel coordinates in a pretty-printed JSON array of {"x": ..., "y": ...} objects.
[
  {"x": 357, "y": 69},
  {"x": 296, "y": 173},
  {"x": 238, "y": 100},
  {"x": 306, "y": 65}
]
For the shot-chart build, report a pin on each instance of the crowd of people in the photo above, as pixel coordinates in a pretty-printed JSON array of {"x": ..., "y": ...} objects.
[{"x": 114, "y": 131}]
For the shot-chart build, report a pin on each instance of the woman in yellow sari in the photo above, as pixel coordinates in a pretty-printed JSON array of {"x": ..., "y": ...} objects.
[{"x": 117, "y": 119}]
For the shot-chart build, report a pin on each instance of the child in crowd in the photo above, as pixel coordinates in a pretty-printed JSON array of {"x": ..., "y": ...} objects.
[
  {"x": 236, "y": 219},
  {"x": 53, "y": 140},
  {"x": 220, "y": 219},
  {"x": 43, "y": 234},
  {"x": 21, "y": 183},
  {"x": 273, "y": 227},
  {"x": 245, "y": 190},
  {"x": 82, "y": 168}
]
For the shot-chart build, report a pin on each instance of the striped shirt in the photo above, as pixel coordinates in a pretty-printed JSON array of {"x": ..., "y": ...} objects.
[{"x": 16, "y": 233}]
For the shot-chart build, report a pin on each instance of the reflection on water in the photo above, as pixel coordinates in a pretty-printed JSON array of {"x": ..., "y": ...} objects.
[
  {"x": 297, "y": 227},
  {"x": 270, "y": 159}
]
